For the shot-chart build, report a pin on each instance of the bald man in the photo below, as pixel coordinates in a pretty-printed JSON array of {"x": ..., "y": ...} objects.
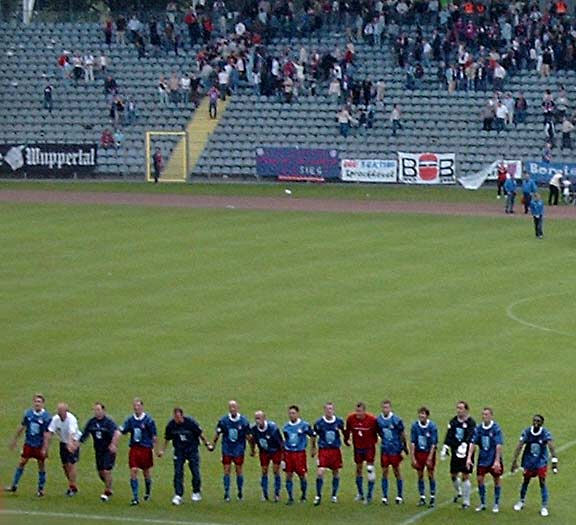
[
  {"x": 65, "y": 426},
  {"x": 234, "y": 429},
  {"x": 267, "y": 437}
]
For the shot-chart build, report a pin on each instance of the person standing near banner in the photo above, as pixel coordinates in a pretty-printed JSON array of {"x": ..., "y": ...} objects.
[
  {"x": 501, "y": 176},
  {"x": 510, "y": 191},
  {"x": 554, "y": 188},
  {"x": 537, "y": 210},
  {"x": 529, "y": 188}
]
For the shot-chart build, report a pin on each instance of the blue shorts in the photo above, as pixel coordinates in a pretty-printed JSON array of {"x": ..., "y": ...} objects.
[{"x": 105, "y": 460}]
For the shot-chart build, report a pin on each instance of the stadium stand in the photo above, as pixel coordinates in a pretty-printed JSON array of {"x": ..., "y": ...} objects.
[{"x": 433, "y": 118}]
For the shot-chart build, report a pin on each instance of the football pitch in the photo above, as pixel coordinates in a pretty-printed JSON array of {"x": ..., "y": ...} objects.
[{"x": 195, "y": 307}]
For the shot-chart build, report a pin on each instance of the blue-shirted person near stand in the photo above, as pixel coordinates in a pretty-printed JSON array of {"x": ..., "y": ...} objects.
[
  {"x": 510, "y": 191},
  {"x": 529, "y": 188},
  {"x": 537, "y": 211}
]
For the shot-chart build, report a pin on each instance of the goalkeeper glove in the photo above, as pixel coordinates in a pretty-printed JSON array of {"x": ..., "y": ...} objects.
[
  {"x": 445, "y": 452},
  {"x": 555, "y": 465}
]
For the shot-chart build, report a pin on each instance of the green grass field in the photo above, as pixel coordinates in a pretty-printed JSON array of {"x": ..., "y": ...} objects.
[{"x": 194, "y": 307}]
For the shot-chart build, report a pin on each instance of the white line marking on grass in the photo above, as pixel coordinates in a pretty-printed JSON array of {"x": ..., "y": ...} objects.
[
  {"x": 424, "y": 513},
  {"x": 511, "y": 315},
  {"x": 102, "y": 517}
]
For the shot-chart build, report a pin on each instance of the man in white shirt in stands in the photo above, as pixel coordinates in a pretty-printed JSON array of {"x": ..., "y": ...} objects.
[
  {"x": 65, "y": 426},
  {"x": 501, "y": 116}
]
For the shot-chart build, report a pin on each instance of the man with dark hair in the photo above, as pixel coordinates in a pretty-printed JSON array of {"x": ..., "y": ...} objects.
[
  {"x": 458, "y": 437},
  {"x": 535, "y": 440},
  {"x": 423, "y": 443},
  {"x": 185, "y": 434},
  {"x": 157, "y": 164},
  {"x": 105, "y": 440},
  {"x": 35, "y": 424}
]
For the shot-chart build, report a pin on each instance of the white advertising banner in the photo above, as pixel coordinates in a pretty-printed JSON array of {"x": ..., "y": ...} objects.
[
  {"x": 368, "y": 170},
  {"x": 427, "y": 168}
]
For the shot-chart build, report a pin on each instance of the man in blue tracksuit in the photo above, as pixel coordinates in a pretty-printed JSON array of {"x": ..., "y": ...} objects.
[
  {"x": 537, "y": 210},
  {"x": 510, "y": 191},
  {"x": 529, "y": 188}
]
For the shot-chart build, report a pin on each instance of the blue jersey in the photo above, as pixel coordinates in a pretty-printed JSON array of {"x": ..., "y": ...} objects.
[
  {"x": 487, "y": 439},
  {"x": 296, "y": 435},
  {"x": 529, "y": 186},
  {"x": 234, "y": 433},
  {"x": 510, "y": 185},
  {"x": 537, "y": 208},
  {"x": 329, "y": 432},
  {"x": 102, "y": 432},
  {"x": 390, "y": 430},
  {"x": 142, "y": 431},
  {"x": 35, "y": 423},
  {"x": 424, "y": 437},
  {"x": 535, "y": 453},
  {"x": 268, "y": 439}
]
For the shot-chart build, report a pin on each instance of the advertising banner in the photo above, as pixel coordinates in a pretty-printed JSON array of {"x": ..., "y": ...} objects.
[
  {"x": 427, "y": 168},
  {"x": 47, "y": 160},
  {"x": 542, "y": 172},
  {"x": 368, "y": 170},
  {"x": 297, "y": 163}
]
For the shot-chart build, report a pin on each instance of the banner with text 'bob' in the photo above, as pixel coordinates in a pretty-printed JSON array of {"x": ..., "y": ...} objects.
[
  {"x": 427, "y": 168},
  {"x": 368, "y": 170}
]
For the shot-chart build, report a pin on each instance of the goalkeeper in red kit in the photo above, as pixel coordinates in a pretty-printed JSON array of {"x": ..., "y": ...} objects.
[{"x": 363, "y": 428}]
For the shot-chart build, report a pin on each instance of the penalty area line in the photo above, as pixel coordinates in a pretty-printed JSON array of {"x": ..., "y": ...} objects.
[
  {"x": 420, "y": 515},
  {"x": 101, "y": 517}
]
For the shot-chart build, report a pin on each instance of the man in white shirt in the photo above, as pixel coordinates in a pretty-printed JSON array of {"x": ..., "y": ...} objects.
[
  {"x": 65, "y": 426},
  {"x": 88, "y": 67},
  {"x": 501, "y": 116}
]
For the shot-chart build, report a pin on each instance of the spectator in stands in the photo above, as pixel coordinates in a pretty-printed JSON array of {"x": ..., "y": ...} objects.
[
  {"x": 288, "y": 89},
  {"x": 380, "y": 92},
  {"x": 121, "y": 30},
  {"x": 561, "y": 104},
  {"x": 106, "y": 139},
  {"x": 185, "y": 83},
  {"x": 344, "y": 120},
  {"x": 117, "y": 111},
  {"x": 64, "y": 64},
  {"x": 550, "y": 133},
  {"x": 194, "y": 90},
  {"x": 118, "y": 137},
  {"x": 107, "y": 29},
  {"x": 131, "y": 114},
  {"x": 110, "y": 86},
  {"x": 77, "y": 68},
  {"x": 547, "y": 61},
  {"x": 501, "y": 117},
  {"x": 520, "y": 108},
  {"x": 395, "y": 116},
  {"x": 335, "y": 89},
  {"x": 163, "y": 91},
  {"x": 140, "y": 45},
  {"x": 223, "y": 77},
  {"x": 48, "y": 102},
  {"x": 134, "y": 26},
  {"x": 191, "y": 21},
  {"x": 499, "y": 75},
  {"x": 554, "y": 188},
  {"x": 480, "y": 76},
  {"x": 213, "y": 95},
  {"x": 508, "y": 101},
  {"x": 548, "y": 106},
  {"x": 171, "y": 11},
  {"x": 567, "y": 129},
  {"x": 547, "y": 153},
  {"x": 155, "y": 40},
  {"x": 88, "y": 62},
  {"x": 174, "y": 88},
  {"x": 103, "y": 63},
  {"x": 487, "y": 117}
]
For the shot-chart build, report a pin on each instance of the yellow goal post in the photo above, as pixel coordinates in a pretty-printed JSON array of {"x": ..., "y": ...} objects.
[{"x": 173, "y": 146}]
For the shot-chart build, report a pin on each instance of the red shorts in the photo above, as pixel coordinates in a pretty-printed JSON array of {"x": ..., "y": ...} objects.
[
  {"x": 536, "y": 473},
  {"x": 267, "y": 457},
  {"x": 140, "y": 457},
  {"x": 237, "y": 460},
  {"x": 364, "y": 454},
  {"x": 330, "y": 458},
  {"x": 296, "y": 462},
  {"x": 482, "y": 471},
  {"x": 390, "y": 460},
  {"x": 29, "y": 452},
  {"x": 421, "y": 458}
]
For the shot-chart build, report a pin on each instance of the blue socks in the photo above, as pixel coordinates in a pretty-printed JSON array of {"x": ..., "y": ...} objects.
[
  {"x": 360, "y": 485},
  {"x": 41, "y": 480},
  {"x": 134, "y": 487},
  {"x": 421, "y": 487},
  {"x": 240, "y": 484},
  {"x": 148, "y": 484},
  {"x": 335, "y": 486},
  {"x": 226, "y": 480},
  {"x": 432, "y": 487},
  {"x": 17, "y": 476},
  {"x": 524, "y": 490},
  {"x": 544, "y": 494},
  {"x": 400, "y": 487},
  {"x": 319, "y": 484},
  {"x": 497, "y": 492},
  {"x": 482, "y": 492},
  {"x": 384, "y": 487},
  {"x": 264, "y": 485},
  {"x": 277, "y": 484},
  {"x": 303, "y": 487},
  {"x": 370, "y": 489},
  {"x": 290, "y": 489}
]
